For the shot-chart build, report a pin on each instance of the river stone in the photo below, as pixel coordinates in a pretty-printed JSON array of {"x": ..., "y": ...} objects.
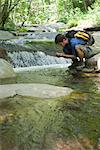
[
  {"x": 94, "y": 61},
  {"x": 34, "y": 90},
  {"x": 3, "y": 54},
  {"x": 4, "y": 35},
  {"x": 6, "y": 71}
]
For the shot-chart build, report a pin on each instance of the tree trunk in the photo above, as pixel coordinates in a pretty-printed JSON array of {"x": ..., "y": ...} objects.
[
  {"x": 5, "y": 10},
  {"x": 85, "y": 5}
]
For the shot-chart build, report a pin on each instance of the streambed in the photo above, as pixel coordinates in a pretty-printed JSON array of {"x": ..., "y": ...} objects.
[{"x": 65, "y": 123}]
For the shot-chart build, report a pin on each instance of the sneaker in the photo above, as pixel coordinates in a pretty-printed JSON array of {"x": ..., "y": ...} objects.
[
  {"x": 74, "y": 65},
  {"x": 80, "y": 66}
]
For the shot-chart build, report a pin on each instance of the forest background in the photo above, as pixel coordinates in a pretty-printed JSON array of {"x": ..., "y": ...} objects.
[{"x": 14, "y": 14}]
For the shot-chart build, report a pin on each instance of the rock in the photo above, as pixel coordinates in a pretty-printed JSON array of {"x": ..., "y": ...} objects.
[
  {"x": 57, "y": 25},
  {"x": 19, "y": 33},
  {"x": 4, "y": 35},
  {"x": 34, "y": 90},
  {"x": 3, "y": 54},
  {"x": 95, "y": 28},
  {"x": 94, "y": 62},
  {"x": 46, "y": 28},
  {"x": 42, "y": 35},
  {"x": 6, "y": 71}
]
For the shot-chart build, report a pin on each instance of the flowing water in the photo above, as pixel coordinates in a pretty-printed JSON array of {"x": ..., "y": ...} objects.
[
  {"x": 65, "y": 123},
  {"x": 27, "y": 59}
]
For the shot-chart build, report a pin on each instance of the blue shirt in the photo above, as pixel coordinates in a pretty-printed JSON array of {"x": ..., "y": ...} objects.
[{"x": 71, "y": 45}]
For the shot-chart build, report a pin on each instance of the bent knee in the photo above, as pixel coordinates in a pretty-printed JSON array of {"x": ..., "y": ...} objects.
[{"x": 79, "y": 47}]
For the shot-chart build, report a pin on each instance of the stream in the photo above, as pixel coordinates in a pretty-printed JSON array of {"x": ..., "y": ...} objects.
[{"x": 68, "y": 122}]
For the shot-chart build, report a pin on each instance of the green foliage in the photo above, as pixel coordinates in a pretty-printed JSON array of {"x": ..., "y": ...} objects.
[
  {"x": 93, "y": 14},
  {"x": 72, "y": 23},
  {"x": 40, "y": 12},
  {"x": 10, "y": 25},
  {"x": 6, "y": 7},
  {"x": 72, "y": 18},
  {"x": 22, "y": 29},
  {"x": 98, "y": 19}
]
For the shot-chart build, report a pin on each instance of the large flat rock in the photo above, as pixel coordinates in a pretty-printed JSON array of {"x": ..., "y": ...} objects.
[{"x": 34, "y": 90}]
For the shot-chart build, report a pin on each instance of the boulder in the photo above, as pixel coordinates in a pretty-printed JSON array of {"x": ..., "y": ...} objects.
[
  {"x": 6, "y": 71},
  {"x": 4, "y": 35},
  {"x": 34, "y": 90},
  {"x": 3, "y": 54},
  {"x": 94, "y": 61}
]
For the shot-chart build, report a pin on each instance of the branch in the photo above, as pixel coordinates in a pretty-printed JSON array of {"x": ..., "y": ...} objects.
[
  {"x": 10, "y": 4},
  {"x": 14, "y": 6}
]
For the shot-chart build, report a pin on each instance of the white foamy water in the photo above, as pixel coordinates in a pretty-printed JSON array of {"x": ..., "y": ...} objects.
[{"x": 38, "y": 59}]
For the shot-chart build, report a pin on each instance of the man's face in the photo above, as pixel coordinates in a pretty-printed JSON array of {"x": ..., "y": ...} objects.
[{"x": 64, "y": 42}]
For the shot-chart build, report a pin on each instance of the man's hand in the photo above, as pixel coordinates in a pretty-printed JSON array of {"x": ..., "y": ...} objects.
[
  {"x": 74, "y": 58},
  {"x": 59, "y": 54}
]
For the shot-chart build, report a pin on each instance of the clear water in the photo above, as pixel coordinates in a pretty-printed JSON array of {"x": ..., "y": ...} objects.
[{"x": 66, "y": 123}]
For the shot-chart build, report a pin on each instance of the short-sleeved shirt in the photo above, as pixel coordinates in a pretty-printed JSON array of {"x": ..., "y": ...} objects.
[{"x": 70, "y": 47}]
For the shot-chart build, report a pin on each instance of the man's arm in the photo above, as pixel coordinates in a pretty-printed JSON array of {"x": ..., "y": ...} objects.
[{"x": 66, "y": 56}]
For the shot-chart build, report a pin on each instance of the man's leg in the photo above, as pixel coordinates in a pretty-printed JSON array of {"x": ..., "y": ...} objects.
[
  {"x": 80, "y": 52},
  {"x": 81, "y": 55}
]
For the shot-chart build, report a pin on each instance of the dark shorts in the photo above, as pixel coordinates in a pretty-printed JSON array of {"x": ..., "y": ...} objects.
[{"x": 86, "y": 49}]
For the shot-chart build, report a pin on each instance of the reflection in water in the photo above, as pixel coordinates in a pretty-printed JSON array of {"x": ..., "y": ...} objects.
[{"x": 66, "y": 123}]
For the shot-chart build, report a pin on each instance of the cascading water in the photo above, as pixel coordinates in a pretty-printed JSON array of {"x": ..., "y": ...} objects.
[
  {"x": 35, "y": 55},
  {"x": 27, "y": 59}
]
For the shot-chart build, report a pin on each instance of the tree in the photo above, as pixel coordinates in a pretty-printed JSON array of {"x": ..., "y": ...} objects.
[{"x": 6, "y": 7}]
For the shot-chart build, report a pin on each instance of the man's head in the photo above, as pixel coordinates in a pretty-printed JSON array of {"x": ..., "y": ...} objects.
[{"x": 61, "y": 40}]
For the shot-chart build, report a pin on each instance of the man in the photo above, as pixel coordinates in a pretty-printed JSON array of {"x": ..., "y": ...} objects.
[{"x": 73, "y": 48}]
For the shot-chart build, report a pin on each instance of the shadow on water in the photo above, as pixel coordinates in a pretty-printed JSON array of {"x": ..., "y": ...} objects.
[{"x": 65, "y": 123}]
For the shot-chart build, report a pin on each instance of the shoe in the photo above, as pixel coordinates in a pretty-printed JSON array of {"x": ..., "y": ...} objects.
[
  {"x": 80, "y": 66},
  {"x": 74, "y": 65}
]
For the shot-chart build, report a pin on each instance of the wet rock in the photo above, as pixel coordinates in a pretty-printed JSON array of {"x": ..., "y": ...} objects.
[
  {"x": 95, "y": 28},
  {"x": 94, "y": 62},
  {"x": 19, "y": 34},
  {"x": 6, "y": 71},
  {"x": 42, "y": 35},
  {"x": 4, "y": 35},
  {"x": 3, "y": 54},
  {"x": 34, "y": 90},
  {"x": 58, "y": 25},
  {"x": 47, "y": 28}
]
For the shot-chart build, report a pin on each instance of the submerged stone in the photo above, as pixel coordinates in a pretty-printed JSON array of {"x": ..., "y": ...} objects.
[{"x": 34, "y": 90}]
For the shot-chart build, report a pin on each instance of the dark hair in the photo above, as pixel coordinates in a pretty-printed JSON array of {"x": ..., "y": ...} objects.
[{"x": 59, "y": 38}]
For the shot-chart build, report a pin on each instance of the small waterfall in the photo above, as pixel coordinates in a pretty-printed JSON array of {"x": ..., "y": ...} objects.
[{"x": 27, "y": 59}]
